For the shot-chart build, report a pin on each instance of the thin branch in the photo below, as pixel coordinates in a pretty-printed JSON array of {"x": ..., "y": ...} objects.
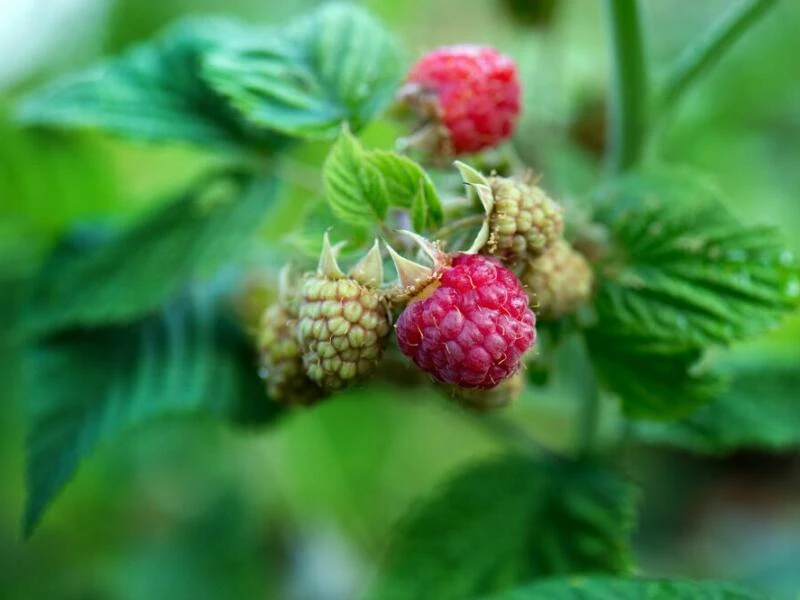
[
  {"x": 704, "y": 53},
  {"x": 589, "y": 419},
  {"x": 458, "y": 225},
  {"x": 507, "y": 431},
  {"x": 588, "y": 423},
  {"x": 629, "y": 98}
]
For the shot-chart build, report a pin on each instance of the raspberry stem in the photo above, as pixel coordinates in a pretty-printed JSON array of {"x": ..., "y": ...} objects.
[
  {"x": 709, "y": 48},
  {"x": 629, "y": 98},
  {"x": 589, "y": 417},
  {"x": 508, "y": 431},
  {"x": 457, "y": 225}
]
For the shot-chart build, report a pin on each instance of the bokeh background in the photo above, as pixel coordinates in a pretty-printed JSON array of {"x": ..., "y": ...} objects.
[{"x": 193, "y": 509}]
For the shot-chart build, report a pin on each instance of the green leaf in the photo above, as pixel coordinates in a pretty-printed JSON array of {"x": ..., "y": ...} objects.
[
  {"x": 354, "y": 187},
  {"x": 337, "y": 65},
  {"x": 652, "y": 382},
  {"x": 506, "y": 521},
  {"x": 681, "y": 275},
  {"x": 683, "y": 271},
  {"x": 153, "y": 92},
  {"x": 47, "y": 180},
  {"x": 408, "y": 186},
  {"x": 152, "y": 262},
  {"x": 759, "y": 409},
  {"x": 86, "y": 387},
  {"x": 361, "y": 185},
  {"x": 607, "y": 588}
]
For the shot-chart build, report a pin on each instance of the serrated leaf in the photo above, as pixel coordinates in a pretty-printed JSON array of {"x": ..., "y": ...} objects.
[
  {"x": 419, "y": 211},
  {"x": 607, "y": 588},
  {"x": 507, "y": 520},
  {"x": 408, "y": 186},
  {"x": 652, "y": 382},
  {"x": 154, "y": 92},
  {"x": 682, "y": 275},
  {"x": 760, "y": 408},
  {"x": 361, "y": 185},
  {"x": 86, "y": 387},
  {"x": 337, "y": 65},
  {"x": 684, "y": 272},
  {"x": 354, "y": 187},
  {"x": 152, "y": 262}
]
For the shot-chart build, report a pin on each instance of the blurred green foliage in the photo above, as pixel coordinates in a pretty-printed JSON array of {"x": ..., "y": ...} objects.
[{"x": 193, "y": 509}]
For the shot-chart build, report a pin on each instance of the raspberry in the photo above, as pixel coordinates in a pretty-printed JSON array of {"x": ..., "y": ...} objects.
[
  {"x": 281, "y": 358},
  {"x": 344, "y": 321},
  {"x": 523, "y": 222},
  {"x": 472, "y": 329},
  {"x": 558, "y": 282},
  {"x": 469, "y": 97}
]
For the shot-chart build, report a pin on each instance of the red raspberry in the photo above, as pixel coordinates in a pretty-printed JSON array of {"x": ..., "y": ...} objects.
[
  {"x": 472, "y": 91},
  {"x": 473, "y": 329}
]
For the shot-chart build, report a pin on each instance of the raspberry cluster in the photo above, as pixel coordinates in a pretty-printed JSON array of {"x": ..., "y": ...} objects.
[
  {"x": 524, "y": 229},
  {"x": 466, "y": 320}
]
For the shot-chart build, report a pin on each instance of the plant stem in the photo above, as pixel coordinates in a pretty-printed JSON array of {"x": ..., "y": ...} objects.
[
  {"x": 508, "y": 431},
  {"x": 709, "y": 48},
  {"x": 627, "y": 109},
  {"x": 588, "y": 420},
  {"x": 457, "y": 225},
  {"x": 589, "y": 417}
]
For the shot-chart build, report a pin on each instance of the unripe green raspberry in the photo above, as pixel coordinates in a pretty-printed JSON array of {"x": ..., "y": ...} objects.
[
  {"x": 523, "y": 223},
  {"x": 558, "y": 282},
  {"x": 281, "y": 357},
  {"x": 343, "y": 322}
]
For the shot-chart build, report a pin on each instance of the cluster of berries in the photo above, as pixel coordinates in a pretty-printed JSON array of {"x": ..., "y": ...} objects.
[
  {"x": 467, "y": 98},
  {"x": 524, "y": 229},
  {"x": 465, "y": 318}
]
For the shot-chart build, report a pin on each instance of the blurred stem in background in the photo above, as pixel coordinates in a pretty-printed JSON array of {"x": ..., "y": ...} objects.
[
  {"x": 589, "y": 416},
  {"x": 629, "y": 95},
  {"x": 707, "y": 50}
]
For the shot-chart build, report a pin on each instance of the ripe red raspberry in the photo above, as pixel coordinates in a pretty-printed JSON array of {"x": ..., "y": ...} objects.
[
  {"x": 472, "y": 93},
  {"x": 473, "y": 329}
]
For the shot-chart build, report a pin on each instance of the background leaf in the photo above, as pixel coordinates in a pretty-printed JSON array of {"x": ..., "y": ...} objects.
[
  {"x": 88, "y": 386},
  {"x": 683, "y": 271},
  {"x": 153, "y": 261},
  {"x": 681, "y": 275},
  {"x": 508, "y": 520},
  {"x": 47, "y": 181},
  {"x": 652, "y": 382},
  {"x": 153, "y": 92},
  {"x": 337, "y": 65},
  {"x": 759, "y": 409},
  {"x": 606, "y": 588}
]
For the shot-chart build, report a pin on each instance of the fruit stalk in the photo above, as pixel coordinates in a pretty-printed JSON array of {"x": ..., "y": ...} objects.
[{"x": 629, "y": 99}]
